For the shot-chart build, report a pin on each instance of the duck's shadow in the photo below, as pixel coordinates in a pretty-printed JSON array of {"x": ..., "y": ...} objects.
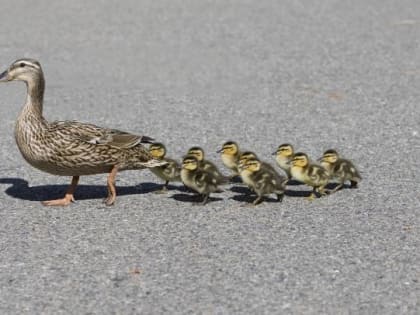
[{"x": 20, "y": 189}]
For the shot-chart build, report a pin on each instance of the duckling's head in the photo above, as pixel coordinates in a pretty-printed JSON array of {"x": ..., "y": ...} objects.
[
  {"x": 252, "y": 165},
  {"x": 300, "y": 160},
  {"x": 229, "y": 148},
  {"x": 197, "y": 152},
  {"x": 157, "y": 150},
  {"x": 284, "y": 150},
  {"x": 247, "y": 155},
  {"x": 23, "y": 70},
  {"x": 190, "y": 162},
  {"x": 330, "y": 156}
]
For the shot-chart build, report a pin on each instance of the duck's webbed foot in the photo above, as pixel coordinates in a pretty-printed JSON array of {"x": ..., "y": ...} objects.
[{"x": 68, "y": 198}]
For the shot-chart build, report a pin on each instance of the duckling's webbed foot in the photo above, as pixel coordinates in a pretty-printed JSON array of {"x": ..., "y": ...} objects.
[
  {"x": 314, "y": 194},
  {"x": 163, "y": 190},
  {"x": 280, "y": 197},
  {"x": 353, "y": 184},
  {"x": 68, "y": 198}
]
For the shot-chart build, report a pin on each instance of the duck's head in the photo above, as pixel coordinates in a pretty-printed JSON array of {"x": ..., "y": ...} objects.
[
  {"x": 300, "y": 160},
  {"x": 197, "y": 152},
  {"x": 157, "y": 150},
  {"x": 330, "y": 156},
  {"x": 252, "y": 165},
  {"x": 284, "y": 150},
  {"x": 190, "y": 162},
  {"x": 229, "y": 148},
  {"x": 22, "y": 70}
]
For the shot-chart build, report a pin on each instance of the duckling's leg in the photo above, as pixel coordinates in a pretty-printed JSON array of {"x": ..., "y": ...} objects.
[
  {"x": 280, "y": 197},
  {"x": 336, "y": 188},
  {"x": 205, "y": 199},
  {"x": 257, "y": 201},
  {"x": 164, "y": 188},
  {"x": 112, "y": 193},
  {"x": 68, "y": 198}
]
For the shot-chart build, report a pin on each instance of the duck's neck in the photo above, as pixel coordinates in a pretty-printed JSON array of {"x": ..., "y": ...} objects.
[{"x": 35, "y": 97}]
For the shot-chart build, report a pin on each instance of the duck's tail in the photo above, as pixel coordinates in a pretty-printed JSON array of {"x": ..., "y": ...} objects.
[{"x": 146, "y": 139}]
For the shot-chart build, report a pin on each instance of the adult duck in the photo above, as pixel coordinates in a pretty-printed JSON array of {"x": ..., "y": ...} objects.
[{"x": 71, "y": 148}]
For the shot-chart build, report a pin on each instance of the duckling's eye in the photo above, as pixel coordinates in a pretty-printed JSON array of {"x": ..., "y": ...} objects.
[{"x": 21, "y": 65}]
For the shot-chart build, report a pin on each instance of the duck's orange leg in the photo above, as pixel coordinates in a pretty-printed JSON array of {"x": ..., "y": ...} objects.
[
  {"x": 112, "y": 193},
  {"x": 68, "y": 198}
]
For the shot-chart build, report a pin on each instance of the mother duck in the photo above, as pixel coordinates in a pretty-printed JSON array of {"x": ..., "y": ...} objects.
[{"x": 71, "y": 148}]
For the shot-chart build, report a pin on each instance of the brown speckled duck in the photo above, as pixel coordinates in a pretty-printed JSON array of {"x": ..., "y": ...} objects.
[{"x": 70, "y": 148}]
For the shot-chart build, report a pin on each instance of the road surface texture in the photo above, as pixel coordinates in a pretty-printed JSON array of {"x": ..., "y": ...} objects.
[{"x": 318, "y": 74}]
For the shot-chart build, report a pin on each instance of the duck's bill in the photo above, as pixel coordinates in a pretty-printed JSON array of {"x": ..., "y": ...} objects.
[
  {"x": 219, "y": 151},
  {"x": 3, "y": 76}
]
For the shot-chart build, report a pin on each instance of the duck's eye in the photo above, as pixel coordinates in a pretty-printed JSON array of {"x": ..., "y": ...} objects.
[{"x": 21, "y": 65}]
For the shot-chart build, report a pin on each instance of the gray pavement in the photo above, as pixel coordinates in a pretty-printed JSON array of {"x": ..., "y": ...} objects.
[{"x": 318, "y": 74}]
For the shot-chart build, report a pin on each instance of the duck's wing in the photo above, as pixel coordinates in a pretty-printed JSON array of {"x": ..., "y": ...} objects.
[{"x": 97, "y": 135}]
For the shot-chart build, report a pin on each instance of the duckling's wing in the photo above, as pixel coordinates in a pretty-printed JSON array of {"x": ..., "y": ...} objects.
[
  {"x": 317, "y": 173},
  {"x": 204, "y": 179},
  {"x": 97, "y": 135},
  {"x": 172, "y": 169},
  {"x": 346, "y": 167}
]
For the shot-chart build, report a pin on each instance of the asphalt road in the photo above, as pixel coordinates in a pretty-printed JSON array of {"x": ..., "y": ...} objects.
[{"x": 318, "y": 74}]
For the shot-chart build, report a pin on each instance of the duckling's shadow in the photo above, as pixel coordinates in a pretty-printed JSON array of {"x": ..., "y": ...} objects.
[
  {"x": 193, "y": 198},
  {"x": 21, "y": 190},
  {"x": 298, "y": 193},
  {"x": 236, "y": 179},
  {"x": 250, "y": 198},
  {"x": 240, "y": 189},
  {"x": 293, "y": 182}
]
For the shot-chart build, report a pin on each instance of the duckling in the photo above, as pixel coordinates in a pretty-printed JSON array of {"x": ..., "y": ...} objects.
[
  {"x": 230, "y": 156},
  {"x": 262, "y": 181},
  {"x": 71, "y": 148},
  {"x": 284, "y": 154},
  {"x": 207, "y": 165},
  {"x": 169, "y": 172},
  {"x": 311, "y": 174},
  {"x": 340, "y": 169},
  {"x": 247, "y": 155},
  {"x": 197, "y": 178}
]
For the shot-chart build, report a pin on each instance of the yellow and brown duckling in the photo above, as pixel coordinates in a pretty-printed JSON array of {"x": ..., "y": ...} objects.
[
  {"x": 230, "y": 154},
  {"x": 206, "y": 165},
  {"x": 340, "y": 169},
  {"x": 71, "y": 148},
  {"x": 247, "y": 155},
  {"x": 311, "y": 174},
  {"x": 170, "y": 172},
  {"x": 284, "y": 155},
  {"x": 262, "y": 180},
  {"x": 198, "y": 179}
]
